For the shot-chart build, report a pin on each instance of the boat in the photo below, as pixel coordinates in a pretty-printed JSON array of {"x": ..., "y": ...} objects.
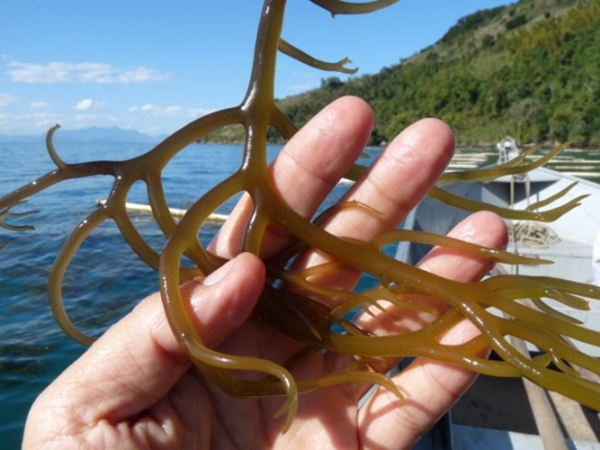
[
  {"x": 512, "y": 413},
  {"x": 568, "y": 241}
]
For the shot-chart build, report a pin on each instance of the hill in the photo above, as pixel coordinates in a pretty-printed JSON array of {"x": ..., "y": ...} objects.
[{"x": 529, "y": 69}]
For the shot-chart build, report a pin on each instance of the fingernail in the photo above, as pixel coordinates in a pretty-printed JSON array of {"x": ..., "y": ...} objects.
[{"x": 216, "y": 276}]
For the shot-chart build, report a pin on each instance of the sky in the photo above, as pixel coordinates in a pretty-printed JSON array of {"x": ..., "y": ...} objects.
[{"x": 154, "y": 66}]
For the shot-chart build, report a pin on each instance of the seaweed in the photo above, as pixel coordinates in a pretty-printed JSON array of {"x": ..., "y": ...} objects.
[{"x": 294, "y": 305}]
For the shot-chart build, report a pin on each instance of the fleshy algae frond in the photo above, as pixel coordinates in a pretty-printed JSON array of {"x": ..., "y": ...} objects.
[{"x": 299, "y": 312}]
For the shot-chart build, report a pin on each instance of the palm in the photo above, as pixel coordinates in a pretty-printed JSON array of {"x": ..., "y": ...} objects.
[
  {"x": 195, "y": 405},
  {"x": 243, "y": 421}
]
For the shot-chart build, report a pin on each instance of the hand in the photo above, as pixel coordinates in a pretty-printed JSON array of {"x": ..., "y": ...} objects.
[{"x": 135, "y": 388}]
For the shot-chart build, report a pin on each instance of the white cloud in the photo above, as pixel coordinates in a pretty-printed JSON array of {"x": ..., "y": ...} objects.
[
  {"x": 38, "y": 122},
  {"x": 7, "y": 99},
  {"x": 169, "y": 111},
  {"x": 40, "y": 105},
  {"x": 87, "y": 104},
  {"x": 140, "y": 75},
  {"x": 304, "y": 87},
  {"x": 306, "y": 81},
  {"x": 86, "y": 72}
]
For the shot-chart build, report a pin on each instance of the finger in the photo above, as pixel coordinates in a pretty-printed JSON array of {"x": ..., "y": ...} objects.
[
  {"x": 430, "y": 387},
  {"x": 483, "y": 228},
  {"x": 397, "y": 180},
  {"x": 306, "y": 170},
  {"x": 447, "y": 263},
  {"x": 137, "y": 361},
  {"x": 392, "y": 186}
]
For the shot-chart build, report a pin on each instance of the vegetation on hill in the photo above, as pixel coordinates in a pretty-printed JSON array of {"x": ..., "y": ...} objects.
[{"x": 530, "y": 69}]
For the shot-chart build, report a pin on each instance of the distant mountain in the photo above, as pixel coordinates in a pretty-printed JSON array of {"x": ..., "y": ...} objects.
[{"x": 92, "y": 134}]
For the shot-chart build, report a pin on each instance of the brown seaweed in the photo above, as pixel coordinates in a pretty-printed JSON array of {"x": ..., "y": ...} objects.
[{"x": 299, "y": 312}]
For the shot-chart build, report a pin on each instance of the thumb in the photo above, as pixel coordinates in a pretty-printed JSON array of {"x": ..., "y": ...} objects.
[
  {"x": 138, "y": 360},
  {"x": 223, "y": 301}
]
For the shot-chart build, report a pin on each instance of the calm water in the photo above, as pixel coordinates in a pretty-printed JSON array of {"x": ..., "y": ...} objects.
[{"x": 105, "y": 280}]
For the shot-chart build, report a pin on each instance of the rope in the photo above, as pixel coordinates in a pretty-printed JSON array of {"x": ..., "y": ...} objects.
[{"x": 532, "y": 234}]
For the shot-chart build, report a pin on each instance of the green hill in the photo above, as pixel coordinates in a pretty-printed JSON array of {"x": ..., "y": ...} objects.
[{"x": 530, "y": 69}]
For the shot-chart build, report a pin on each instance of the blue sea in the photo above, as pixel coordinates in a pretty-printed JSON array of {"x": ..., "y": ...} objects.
[{"x": 103, "y": 282}]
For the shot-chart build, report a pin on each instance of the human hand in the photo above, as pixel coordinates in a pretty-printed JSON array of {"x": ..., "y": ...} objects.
[{"x": 135, "y": 387}]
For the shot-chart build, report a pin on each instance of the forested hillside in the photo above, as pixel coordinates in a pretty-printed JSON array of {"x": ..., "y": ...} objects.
[{"x": 530, "y": 69}]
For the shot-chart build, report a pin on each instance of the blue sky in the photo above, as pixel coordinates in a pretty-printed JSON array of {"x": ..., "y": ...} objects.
[{"x": 155, "y": 65}]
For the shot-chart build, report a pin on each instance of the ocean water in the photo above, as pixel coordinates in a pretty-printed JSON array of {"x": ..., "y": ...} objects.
[{"x": 105, "y": 279}]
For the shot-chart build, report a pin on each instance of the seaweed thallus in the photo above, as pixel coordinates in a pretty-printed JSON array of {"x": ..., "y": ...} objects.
[{"x": 300, "y": 314}]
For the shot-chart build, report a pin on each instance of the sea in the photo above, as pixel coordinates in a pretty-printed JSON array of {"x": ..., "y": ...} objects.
[{"x": 105, "y": 279}]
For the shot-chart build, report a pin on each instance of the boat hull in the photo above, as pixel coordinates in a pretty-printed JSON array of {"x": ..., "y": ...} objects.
[{"x": 576, "y": 231}]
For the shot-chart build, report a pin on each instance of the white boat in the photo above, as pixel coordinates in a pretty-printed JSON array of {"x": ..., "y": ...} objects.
[
  {"x": 497, "y": 413},
  {"x": 568, "y": 241}
]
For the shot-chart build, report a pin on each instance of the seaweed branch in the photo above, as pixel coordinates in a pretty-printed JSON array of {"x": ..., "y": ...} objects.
[
  {"x": 341, "y": 7},
  {"x": 7, "y": 212},
  {"x": 296, "y": 53},
  {"x": 300, "y": 313}
]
